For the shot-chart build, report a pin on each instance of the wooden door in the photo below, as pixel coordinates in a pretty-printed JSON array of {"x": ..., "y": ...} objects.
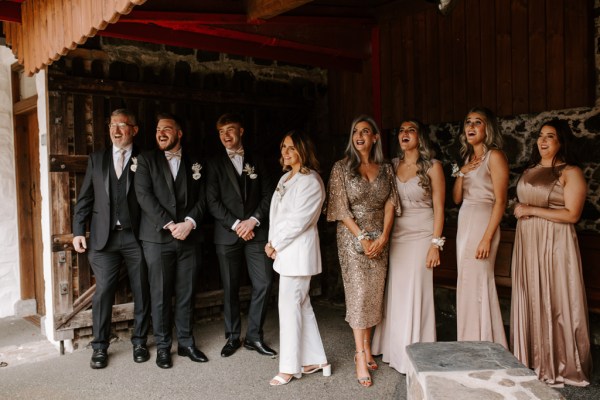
[{"x": 27, "y": 164}]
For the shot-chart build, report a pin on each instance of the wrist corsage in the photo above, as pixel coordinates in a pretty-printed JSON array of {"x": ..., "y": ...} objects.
[
  {"x": 438, "y": 242},
  {"x": 456, "y": 171}
]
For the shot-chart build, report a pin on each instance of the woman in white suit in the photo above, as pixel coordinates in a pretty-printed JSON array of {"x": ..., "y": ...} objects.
[{"x": 294, "y": 245}]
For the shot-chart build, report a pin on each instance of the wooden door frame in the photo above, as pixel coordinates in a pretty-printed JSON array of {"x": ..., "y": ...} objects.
[{"x": 26, "y": 146}]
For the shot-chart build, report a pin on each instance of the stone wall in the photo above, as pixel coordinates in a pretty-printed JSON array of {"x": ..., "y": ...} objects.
[
  {"x": 9, "y": 249},
  {"x": 520, "y": 134}
]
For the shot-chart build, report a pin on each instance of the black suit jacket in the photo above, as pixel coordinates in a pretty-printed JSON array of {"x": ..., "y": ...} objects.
[
  {"x": 94, "y": 198},
  {"x": 155, "y": 190},
  {"x": 226, "y": 202}
]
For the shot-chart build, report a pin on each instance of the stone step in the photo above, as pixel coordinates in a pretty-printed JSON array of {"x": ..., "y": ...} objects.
[{"x": 470, "y": 371}]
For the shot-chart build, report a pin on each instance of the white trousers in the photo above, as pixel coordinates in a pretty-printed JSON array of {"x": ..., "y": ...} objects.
[{"x": 299, "y": 339}]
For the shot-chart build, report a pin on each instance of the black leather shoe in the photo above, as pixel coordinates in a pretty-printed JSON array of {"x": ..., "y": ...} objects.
[
  {"x": 99, "y": 358},
  {"x": 163, "y": 358},
  {"x": 260, "y": 347},
  {"x": 230, "y": 347},
  {"x": 140, "y": 353},
  {"x": 193, "y": 353}
]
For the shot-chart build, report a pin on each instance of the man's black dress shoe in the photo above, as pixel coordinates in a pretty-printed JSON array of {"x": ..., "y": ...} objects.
[
  {"x": 230, "y": 347},
  {"x": 163, "y": 358},
  {"x": 193, "y": 353},
  {"x": 260, "y": 347},
  {"x": 99, "y": 358},
  {"x": 140, "y": 353}
]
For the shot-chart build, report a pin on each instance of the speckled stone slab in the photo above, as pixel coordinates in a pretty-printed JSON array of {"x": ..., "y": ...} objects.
[{"x": 470, "y": 370}]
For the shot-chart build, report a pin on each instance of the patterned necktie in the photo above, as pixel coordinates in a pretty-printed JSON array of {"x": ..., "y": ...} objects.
[
  {"x": 173, "y": 154},
  {"x": 238, "y": 152},
  {"x": 120, "y": 163}
]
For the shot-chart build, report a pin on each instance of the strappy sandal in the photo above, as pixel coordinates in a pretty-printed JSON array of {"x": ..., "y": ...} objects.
[
  {"x": 314, "y": 368},
  {"x": 364, "y": 381},
  {"x": 280, "y": 381},
  {"x": 371, "y": 365}
]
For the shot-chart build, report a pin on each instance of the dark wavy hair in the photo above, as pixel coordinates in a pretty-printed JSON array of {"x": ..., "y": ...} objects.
[
  {"x": 426, "y": 154},
  {"x": 306, "y": 151},
  {"x": 565, "y": 152}
]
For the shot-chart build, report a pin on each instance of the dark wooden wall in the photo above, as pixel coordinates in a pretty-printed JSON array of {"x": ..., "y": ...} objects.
[
  {"x": 82, "y": 95},
  {"x": 513, "y": 56}
]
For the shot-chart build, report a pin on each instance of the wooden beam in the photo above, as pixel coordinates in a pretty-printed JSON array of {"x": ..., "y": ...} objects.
[
  {"x": 105, "y": 87},
  {"x": 147, "y": 17},
  {"x": 10, "y": 12},
  {"x": 265, "y": 9},
  {"x": 156, "y": 34}
]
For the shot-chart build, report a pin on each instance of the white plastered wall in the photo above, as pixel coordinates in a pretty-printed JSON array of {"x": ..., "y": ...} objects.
[{"x": 10, "y": 287}]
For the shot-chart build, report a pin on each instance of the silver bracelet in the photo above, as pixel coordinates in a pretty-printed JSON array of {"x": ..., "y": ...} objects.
[{"x": 439, "y": 242}]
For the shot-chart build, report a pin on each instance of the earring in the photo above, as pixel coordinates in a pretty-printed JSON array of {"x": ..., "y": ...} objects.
[{"x": 374, "y": 141}]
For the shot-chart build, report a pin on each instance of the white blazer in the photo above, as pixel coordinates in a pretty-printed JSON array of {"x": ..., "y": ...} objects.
[{"x": 295, "y": 210}]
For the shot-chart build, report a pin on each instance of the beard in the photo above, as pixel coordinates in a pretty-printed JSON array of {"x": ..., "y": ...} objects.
[{"x": 169, "y": 145}]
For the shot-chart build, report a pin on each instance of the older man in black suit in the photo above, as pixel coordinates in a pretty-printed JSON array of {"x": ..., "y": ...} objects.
[
  {"x": 238, "y": 194},
  {"x": 107, "y": 196},
  {"x": 171, "y": 194}
]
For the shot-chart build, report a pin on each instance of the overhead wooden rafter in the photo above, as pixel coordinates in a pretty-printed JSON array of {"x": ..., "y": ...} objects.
[
  {"x": 50, "y": 28},
  {"x": 265, "y": 9},
  {"x": 328, "y": 42}
]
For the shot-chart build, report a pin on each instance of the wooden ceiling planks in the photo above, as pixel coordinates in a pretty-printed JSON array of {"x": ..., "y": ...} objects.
[
  {"x": 265, "y": 9},
  {"x": 50, "y": 28}
]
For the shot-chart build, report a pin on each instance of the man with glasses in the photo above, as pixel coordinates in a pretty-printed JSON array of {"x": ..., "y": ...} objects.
[{"x": 107, "y": 195}]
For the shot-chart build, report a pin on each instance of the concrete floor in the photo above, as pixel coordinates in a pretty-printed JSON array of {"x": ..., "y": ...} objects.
[{"x": 35, "y": 369}]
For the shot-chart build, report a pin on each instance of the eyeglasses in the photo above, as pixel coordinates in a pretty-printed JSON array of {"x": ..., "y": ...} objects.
[{"x": 120, "y": 125}]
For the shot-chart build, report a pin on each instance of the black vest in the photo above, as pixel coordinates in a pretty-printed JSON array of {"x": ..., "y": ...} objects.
[{"x": 119, "y": 208}]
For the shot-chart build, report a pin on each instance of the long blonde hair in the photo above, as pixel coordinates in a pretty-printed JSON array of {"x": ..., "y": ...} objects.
[
  {"x": 426, "y": 154},
  {"x": 493, "y": 137}
]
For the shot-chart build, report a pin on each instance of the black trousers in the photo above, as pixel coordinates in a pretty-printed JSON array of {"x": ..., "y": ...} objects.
[
  {"x": 172, "y": 271},
  {"x": 106, "y": 264},
  {"x": 260, "y": 270}
]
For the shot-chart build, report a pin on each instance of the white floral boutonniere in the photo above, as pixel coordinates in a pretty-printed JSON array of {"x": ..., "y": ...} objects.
[
  {"x": 249, "y": 170},
  {"x": 196, "y": 171},
  {"x": 280, "y": 190},
  {"x": 133, "y": 164}
]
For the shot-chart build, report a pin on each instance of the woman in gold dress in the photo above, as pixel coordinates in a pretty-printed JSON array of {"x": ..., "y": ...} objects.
[{"x": 362, "y": 197}]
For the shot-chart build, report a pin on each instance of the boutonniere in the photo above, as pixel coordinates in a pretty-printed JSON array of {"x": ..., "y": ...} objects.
[
  {"x": 133, "y": 164},
  {"x": 249, "y": 170},
  {"x": 196, "y": 171},
  {"x": 280, "y": 190}
]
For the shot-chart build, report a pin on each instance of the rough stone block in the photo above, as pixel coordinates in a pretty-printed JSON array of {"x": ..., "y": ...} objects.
[{"x": 470, "y": 371}]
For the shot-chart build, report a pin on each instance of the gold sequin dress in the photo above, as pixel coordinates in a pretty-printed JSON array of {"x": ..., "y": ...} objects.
[
  {"x": 364, "y": 279},
  {"x": 549, "y": 316}
]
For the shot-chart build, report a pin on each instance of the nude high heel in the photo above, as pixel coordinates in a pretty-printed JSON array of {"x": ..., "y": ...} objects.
[
  {"x": 364, "y": 381},
  {"x": 326, "y": 368},
  {"x": 371, "y": 365}
]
